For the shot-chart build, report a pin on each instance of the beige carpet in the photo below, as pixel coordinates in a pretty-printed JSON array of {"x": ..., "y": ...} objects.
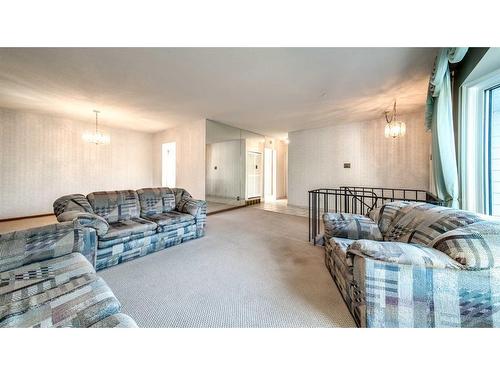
[{"x": 252, "y": 269}]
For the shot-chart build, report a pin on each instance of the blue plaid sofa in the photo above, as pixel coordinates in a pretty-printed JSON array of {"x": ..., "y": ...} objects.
[
  {"x": 130, "y": 224},
  {"x": 47, "y": 279},
  {"x": 416, "y": 265}
]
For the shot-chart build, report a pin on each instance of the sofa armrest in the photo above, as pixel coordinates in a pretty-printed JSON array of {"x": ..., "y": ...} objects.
[
  {"x": 24, "y": 247},
  {"x": 197, "y": 208},
  {"x": 350, "y": 226},
  {"x": 85, "y": 219},
  {"x": 401, "y": 253}
]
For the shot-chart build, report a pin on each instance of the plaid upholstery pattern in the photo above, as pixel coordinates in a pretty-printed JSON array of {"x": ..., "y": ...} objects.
[
  {"x": 86, "y": 219},
  {"x": 59, "y": 292},
  {"x": 47, "y": 279},
  {"x": 155, "y": 201},
  {"x": 196, "y": 208},
  {"x": 179, "y": 194},
  {"x": 125, "y": 228},
  {"x": 401, "y": 253},
  {"x": 72, "y": 202},
  {"x": 336, "y": 262},
  {"x": 350, "y": 226},
  {"x": 476, "y": 246},
  {"x": 108, "y": 256},
  {"x": 131, "y": 224},
  {"x": 423, "y": 222},
  {"x": 397, "y": 295},
  {"x": 115, "y": 321},
  {"x": 114, "y": 206},
  {"x": 437, "y": 267},
  {"x": 24, "y": 247},
  {"x": 385, "y": 214},
  {"x": 171, "y": 218}
]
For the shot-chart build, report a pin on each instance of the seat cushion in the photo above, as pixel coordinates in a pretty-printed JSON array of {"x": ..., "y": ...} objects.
[
  {"x": 401, "y": 253},
  {"x": 125, "y": 228},
  {"x": 171, "y": 218},
  {"x": 114, "y": 206},
  {"x": 59, "y": 292},
  {"x": 476, "y": 246}
]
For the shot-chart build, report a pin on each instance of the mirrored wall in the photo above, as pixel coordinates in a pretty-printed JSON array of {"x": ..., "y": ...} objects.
[{"x": 234, "y": 166}]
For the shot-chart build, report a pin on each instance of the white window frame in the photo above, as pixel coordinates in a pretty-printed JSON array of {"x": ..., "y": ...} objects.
[{"x": 473, "y": 148}]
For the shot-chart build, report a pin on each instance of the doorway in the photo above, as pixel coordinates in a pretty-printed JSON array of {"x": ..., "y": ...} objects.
[
  {"x": 168, "y": 161},
  {"x": 269, "y": 175}
]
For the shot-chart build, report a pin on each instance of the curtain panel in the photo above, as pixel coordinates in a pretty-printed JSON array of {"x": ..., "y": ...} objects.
[{"x": 439, "y": 120}]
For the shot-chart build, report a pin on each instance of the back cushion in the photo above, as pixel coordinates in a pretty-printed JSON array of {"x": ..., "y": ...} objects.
[
  {"x": 385, "y": 214},
  {"x": 422, "y": 222},
  {"x": 114, "y": 206},
  {"x": 475, "y": 246},
  {"x": 156, "y": 200},
  {"x": 180, "y": 193}
]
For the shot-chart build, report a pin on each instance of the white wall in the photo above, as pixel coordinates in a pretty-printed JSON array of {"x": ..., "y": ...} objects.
[
  {"x": 190, "y": 148},
  {"x": 316, "y": 157},
  {"x": 44, "y": 157}
]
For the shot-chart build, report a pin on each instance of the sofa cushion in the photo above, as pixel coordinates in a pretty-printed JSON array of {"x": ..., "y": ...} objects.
[
  {"x": 59, "y": 292},
  {"x": 350, "y": 226},
  {"x": 125, "y": 228},
  {"x": 401, "y": 253},
  {"x": 115, "y": 205},
  {"x": 102, "y": 243},
  {"x": 156, "y": 200},
  {"x": 386, "y": 214},
  {"x": 476, "y": 246},
  {"x": 421, "y": 223},
  {"x": 179, "y": 194},
  {"x": 171, "y": 218}
]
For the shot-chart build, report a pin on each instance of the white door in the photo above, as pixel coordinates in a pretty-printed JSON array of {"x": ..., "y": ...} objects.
[
  {"x": 254, "y": 174},
  {"x": 168, "y": 159},
  {"x": 269, "y": 175}
]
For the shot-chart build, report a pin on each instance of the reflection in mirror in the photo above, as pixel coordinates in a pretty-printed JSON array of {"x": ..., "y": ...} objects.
[{"x": 234, "y": 160}]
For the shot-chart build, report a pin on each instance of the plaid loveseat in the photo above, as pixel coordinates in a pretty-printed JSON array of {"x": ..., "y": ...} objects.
[
  {"x": 416, "y": 265},
  {"x": 47, "y": 279},
  {"x": 130, "y": 224}
]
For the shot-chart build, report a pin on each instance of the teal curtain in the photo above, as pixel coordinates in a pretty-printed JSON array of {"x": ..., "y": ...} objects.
[{"x": 439, "y": 120}]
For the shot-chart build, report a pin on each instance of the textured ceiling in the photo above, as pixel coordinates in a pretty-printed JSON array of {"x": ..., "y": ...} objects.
[{"x": 267, "y": 90}]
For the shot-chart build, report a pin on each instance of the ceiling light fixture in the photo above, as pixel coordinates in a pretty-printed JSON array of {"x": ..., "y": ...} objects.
[
  {"x": 96, "y": 137},
  {"x": 394, "y": 128}
]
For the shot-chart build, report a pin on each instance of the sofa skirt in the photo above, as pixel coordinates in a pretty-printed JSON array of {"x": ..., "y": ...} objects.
[{"x": 122, "y": 252}]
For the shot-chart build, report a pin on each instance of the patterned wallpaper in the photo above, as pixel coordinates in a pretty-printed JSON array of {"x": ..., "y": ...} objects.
[{"x": 44, "y": 157}]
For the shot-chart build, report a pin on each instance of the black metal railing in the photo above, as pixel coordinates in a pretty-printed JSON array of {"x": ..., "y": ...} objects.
[{"x": 357, "y": 200}]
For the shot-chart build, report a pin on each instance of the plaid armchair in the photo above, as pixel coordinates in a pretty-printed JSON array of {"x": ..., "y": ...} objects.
[{"x": 432, "y": 267}]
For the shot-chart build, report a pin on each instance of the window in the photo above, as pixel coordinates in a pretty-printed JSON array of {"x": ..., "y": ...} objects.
[
  {"x": 493, "y": 129},
  {"x": 479, "y": 145}
]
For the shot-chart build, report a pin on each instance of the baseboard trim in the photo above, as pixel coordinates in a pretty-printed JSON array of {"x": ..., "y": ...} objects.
[{"x": 24, "y": 217}]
